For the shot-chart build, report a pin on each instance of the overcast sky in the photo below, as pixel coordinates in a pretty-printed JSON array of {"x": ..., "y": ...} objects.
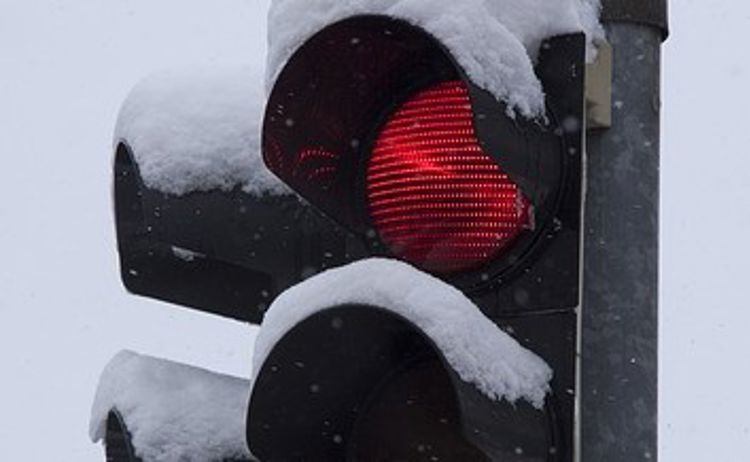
[
  {"x": 65, "y": 66},
  {"x": 705, "y": 346}
]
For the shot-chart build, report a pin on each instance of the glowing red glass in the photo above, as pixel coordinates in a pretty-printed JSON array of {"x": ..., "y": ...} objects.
[{"x": 436, "y": 198}]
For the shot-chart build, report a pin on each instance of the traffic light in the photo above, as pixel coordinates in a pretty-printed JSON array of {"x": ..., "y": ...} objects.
[{"x": 374, "y": 123}]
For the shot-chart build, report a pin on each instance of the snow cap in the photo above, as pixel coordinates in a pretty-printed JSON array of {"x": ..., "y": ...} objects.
[
  {"x": 198, "y": 129},
  {"x": 479, "y": 351},
  {"x": 174, "y": 412},
  {"x": 495, "y": 41}
]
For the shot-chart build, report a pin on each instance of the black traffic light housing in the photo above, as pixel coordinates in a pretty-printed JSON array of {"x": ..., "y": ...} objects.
[
  {"x": 231, "y": 253},
  {"x": 322, "y": 118}
]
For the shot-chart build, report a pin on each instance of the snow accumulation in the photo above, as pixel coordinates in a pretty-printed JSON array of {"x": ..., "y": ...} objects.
[
  {"x": 495, "y": 41},
  {"x": 197, "y": 130},
  {"x": 479, "y": 351},
  {"x": 174, "y": 412}
]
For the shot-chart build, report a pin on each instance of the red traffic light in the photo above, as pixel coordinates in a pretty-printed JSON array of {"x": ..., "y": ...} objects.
[
  {"x": 400, "y": 147},
  {"x": 324, "y": 124},
  {"x": 415, "y": 161},
  {"x": 436, "y": 198}
]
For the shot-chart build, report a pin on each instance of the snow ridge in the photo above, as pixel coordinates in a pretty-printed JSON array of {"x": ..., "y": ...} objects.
[
  {"x": 199, "y": 129},
  {"x": 174, "y": 412},
  {"x": 479, "y": 351},
  {"x": 495, "y": 41}
]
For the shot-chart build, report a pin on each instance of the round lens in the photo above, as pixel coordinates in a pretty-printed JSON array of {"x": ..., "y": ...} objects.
[{"x": 436, "y": 198}]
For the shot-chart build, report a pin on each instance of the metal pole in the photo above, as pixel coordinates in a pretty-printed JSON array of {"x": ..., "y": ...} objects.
[{"x": 620, "y": 300}]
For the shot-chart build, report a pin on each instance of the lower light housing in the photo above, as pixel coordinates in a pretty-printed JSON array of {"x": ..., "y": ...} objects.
[{"x": 436, "y": 198}]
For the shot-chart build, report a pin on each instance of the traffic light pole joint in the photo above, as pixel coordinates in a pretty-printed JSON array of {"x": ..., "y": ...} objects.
[{"x": 651, "y": 13}]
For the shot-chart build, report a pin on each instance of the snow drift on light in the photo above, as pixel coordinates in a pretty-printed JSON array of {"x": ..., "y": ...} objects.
[
  {"x": 479, "y": 351},
  {"x": 197, "y": 130},
  {"x": 175, "y": 413},
  {"x": 495, "y": 41}
]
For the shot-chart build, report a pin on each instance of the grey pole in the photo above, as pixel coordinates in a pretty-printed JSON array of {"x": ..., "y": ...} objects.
[{"x": 618, "y": 406}]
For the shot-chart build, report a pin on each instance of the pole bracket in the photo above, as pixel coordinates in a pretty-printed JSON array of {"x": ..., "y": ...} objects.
[
  {"x": 654, "y": 13},
  {"x": 599, "y": 89}
]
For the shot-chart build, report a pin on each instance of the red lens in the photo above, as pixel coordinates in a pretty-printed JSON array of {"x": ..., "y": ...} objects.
[{"x": 436, "y": 198}]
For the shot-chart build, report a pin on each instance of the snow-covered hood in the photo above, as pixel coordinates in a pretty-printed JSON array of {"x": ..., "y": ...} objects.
[
  {"x": 495, "y": 41},
  {"x": 174, "y": 412},
  {"x": 477, "y": 350},
  {"x": 198, "y": 129}
]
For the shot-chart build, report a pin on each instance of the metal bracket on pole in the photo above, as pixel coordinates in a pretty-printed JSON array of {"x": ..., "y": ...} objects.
[
  {"x": 654, "y": 13},
  {"x": 599, "y": 88}
]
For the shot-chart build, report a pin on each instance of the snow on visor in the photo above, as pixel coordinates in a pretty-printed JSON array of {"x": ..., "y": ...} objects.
[
  {"x": 479, "y": 351},
  {"x": 494, "y": 41}
]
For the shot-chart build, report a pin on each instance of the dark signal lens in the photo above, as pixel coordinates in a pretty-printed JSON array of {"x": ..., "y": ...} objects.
[{"x": 436, "y": 198}]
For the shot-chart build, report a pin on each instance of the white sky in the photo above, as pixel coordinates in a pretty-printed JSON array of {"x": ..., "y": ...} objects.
[
  {"x": 65, "y": 66},
  {"x": 705, "y": 346}
]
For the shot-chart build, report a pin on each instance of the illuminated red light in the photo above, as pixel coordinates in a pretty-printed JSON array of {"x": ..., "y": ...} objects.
[
  {"x": 315, "y": 166},
  {"x": 436, "y": 198}
]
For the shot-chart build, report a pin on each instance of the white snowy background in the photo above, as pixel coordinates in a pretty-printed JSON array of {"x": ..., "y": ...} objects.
[{"x": 65, "y": 67}]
